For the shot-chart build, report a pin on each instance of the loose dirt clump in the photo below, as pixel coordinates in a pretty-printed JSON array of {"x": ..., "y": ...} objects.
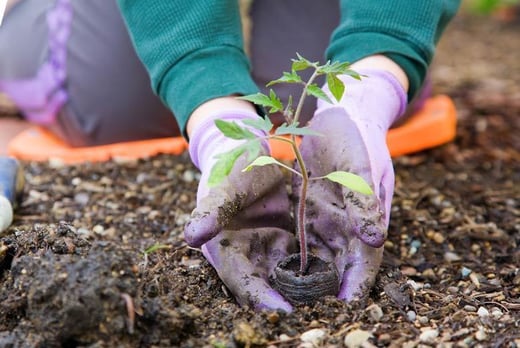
[{"x": 96, "y": 256}]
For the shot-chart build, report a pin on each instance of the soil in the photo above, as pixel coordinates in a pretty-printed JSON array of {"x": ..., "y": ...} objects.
[{"x": 96, "y": 257}]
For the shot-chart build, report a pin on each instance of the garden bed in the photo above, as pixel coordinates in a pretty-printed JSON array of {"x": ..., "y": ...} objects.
[{"x": 96, "y": 257}]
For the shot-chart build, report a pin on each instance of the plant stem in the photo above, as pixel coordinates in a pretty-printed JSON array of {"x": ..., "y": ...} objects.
[
  {"x": 305, "y": 179},
  {"x": 301, "y": 209},
  {"x": 304, "y": 94}
]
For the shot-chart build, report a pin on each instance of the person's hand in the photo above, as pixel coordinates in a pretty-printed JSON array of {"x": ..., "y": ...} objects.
[
  {"x": 243, "y": 223},
  {"x": 343, "y": 226}
]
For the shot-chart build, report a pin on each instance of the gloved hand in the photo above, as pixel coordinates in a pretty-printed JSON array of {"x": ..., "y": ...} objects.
[
  {"x": 343, "y": 226},
  {"x": 243, "y": 223}
]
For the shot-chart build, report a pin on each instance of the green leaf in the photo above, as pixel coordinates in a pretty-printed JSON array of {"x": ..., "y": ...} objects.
[
  {"x": 317, "y": 92},
  {"x": 295, "y": 130},
  {"x": 271, "y": 101},
  {"x": 351, "y": 181},
  {"x": 334, "y": 68},
  {"x": 253, "y": 149},
  {"x": 233, "y": 130},
  {"x": 261, "y": 123},
  {"x": 336, "y": 86},
  {"x": 353, "y": 74},
  {"x": 301, "y": 63},
  {"x": 261, "y": 161},
  {"x": 223, "y": 166},
  {"x": 291, "y": 77},
  {"x": 276, "y": 103}
]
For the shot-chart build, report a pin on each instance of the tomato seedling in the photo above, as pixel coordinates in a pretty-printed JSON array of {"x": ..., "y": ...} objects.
[{"x": 288, "y": 132}]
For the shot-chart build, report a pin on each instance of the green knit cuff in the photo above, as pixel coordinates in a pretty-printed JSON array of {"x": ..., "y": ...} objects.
[
  {"x": 203, "y": 75},
  {"x": 356, "y": 46}
]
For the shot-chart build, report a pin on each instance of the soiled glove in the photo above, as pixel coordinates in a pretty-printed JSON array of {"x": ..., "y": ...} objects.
[
  {"x": 242, "y": 224},
  {"x": 343, "y": 226}
]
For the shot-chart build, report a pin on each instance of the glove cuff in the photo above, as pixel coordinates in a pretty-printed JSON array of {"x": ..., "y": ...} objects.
[
  {"x": 207, "y": 140},
  {"x": 379, "y": 96}
]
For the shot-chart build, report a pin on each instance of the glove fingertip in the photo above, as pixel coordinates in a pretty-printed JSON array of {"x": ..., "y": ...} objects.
[
  {"x": 372, "y": 235},
  {"x": 200, "y": 230},
  {"x": 273, "y": 301}
]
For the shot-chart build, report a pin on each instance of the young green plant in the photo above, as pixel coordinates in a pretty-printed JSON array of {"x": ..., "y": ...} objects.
[{"x": 288, "y": 132}]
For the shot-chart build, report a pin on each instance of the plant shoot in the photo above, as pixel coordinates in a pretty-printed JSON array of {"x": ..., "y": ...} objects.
[{"x": 288, "y": 132}]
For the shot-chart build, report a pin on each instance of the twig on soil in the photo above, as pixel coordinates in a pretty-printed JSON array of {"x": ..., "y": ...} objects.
[
  {"x": 488, "y": 231},
  {"x": 130, "y": 308}
]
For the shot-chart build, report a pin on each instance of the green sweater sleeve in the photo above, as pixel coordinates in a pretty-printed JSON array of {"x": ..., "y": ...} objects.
[
  {"x": 192, "y": 49},
  {"x": 406, "y": 31}
]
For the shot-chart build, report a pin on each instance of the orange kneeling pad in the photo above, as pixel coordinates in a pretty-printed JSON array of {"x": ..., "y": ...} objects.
[
  {"x": 434, "y": 124},
  {"x": 38, "y": 144}
]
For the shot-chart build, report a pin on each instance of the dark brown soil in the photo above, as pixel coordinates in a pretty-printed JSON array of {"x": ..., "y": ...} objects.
[{"x": 96, "y": 256}]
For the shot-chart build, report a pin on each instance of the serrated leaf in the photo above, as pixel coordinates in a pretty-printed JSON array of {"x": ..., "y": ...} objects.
[
  {"x": 223, "y": 166},
  {"x": 261, "y": 161},
  {"x": 287, "y": 77},
  {"x": 293, "y": 129},
  {"x": 353, "y": 74},
  {"x": 351, "y": 181},
  {"x": 261, "y": 123},
  {"x": 335, "y": 68},
  {"x": 300, "y": 63},
  {"x": 253, "y": 149},
  {"x": 317, "y": 92},
  {"x": 233, "y": 130},
  {"x": 271, "y": 101},
  {"x": 276, "y": 103},
  {"x": 257, "y": 98},
  {"x": 336, "y": 86}
]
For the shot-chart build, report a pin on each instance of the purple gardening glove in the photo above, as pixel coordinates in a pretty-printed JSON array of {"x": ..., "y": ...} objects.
[
  {"x": 243, "y": 223},
  {"x": 343, "y": 226}
]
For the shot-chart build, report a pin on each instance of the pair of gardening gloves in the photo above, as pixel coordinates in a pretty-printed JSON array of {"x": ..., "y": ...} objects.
[{"x": 244, "y": 225}]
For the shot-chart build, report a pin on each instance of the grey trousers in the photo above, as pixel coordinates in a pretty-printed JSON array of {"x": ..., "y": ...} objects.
[{"x": 109, "y": 95}]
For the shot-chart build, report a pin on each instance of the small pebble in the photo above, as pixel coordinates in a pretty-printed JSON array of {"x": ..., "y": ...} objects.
[
  {"x": 188, "y": 176},
  {"x": 429, "y": 335},
  {"x": 474, "y": 279},
  {"x": 81, "y": 198},
  {"x": 98, "y": 229},
  {"x": 314, "y": 324},
  {"x": 483, "y": 312},
  {"x": 480, "y": 335},
  {"x": 470, "y": 308},
  {"x": 465, "y": 272},
  {"x": 389, "y": 244},
  {"x": 411, "y": 315},
  {"x": 273, "y": 317},
  {"x": 423, "y": 320},
  {"x": 496, "y": 313},
  {"x": 314, "y": 336},
  {"x": 375, "y": 312},
  {"x": 414, "y": 246},
  {"x": 356, "y": 338},
  {"x": 429, "y": 273},
  {"x": 438, "y": 238},
  {"x": 284, "y": 338},
  {"x": 451, "y": 256},
  {"x": 453, "y": 289},
  {"x": 416, "y": 286}
]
